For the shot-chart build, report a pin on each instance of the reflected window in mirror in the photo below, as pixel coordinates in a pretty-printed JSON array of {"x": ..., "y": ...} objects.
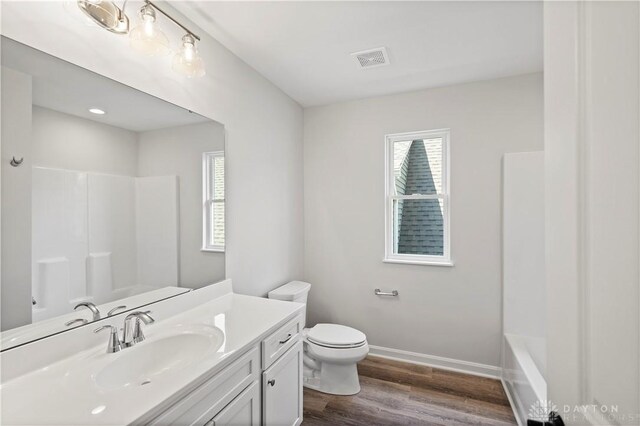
[{"x": 213, "y": 214}]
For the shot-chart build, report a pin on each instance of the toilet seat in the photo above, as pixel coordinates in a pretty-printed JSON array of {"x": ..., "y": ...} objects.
[{"x": 336, "y": 336}]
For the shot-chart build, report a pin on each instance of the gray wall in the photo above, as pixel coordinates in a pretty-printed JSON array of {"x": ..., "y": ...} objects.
[
  {"x": 16, "y": 200},
  {"x": 64, "y": 141},
  {"x": 452, "y": 312},
  {"x": 178, "y": 151}
]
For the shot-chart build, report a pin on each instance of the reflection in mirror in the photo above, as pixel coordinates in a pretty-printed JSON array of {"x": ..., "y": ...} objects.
[{"x": 111, "y": 198}]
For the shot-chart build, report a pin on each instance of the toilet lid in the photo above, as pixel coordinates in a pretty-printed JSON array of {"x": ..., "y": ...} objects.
[{"x": 334, "y": 335}]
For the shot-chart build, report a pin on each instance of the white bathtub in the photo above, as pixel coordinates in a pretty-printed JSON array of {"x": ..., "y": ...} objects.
[{"x": 523, "y": 373}]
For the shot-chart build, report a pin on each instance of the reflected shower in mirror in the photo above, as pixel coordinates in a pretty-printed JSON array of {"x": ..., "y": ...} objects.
[{"x": 111, "y": 198}]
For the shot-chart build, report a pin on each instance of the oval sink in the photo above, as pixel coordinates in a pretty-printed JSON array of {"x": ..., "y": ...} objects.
[{"x": 140, "y": 364}]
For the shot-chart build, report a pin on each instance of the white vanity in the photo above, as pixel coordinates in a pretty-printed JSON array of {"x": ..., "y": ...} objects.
[{"x": 211, "y": 357}]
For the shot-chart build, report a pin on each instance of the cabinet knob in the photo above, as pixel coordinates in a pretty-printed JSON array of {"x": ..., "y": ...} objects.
[{"x": 272, "y": 382}]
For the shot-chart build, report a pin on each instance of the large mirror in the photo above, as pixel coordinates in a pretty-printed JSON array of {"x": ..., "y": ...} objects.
[{"x": 111, "y": 198}]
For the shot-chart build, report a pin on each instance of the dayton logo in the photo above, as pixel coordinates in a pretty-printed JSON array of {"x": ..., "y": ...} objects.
[{"x": 541, "y": 409}]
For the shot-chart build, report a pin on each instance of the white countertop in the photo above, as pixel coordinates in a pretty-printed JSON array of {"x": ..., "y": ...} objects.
[{"x": 65, "y": 392}]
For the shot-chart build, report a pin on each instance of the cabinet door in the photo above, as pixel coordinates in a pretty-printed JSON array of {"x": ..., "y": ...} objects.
[
  {"x": 242, "y": 411},
  {"x": 282, "y": 389}
]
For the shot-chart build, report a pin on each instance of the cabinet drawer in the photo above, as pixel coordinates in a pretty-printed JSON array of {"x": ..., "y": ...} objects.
[
  {"x": 206, "y": 401},
  {"x": 280, "y": 341}
]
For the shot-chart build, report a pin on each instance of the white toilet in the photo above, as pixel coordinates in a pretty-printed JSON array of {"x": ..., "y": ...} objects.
[{"x": 331, "y": 351}]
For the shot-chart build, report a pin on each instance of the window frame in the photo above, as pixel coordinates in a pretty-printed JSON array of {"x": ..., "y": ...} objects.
[
  {"x": 208, "y": 200},
  {"x": 390, "y": 197}
]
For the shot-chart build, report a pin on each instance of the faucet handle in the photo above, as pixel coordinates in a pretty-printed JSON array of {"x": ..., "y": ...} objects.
[
  {"x": 114, "y": 344},
  {"x": 133, "y": 332},
  {"x": 79, "y": 321},
  {"x": 142, "y": 317},
  {"x": 116, "y": 309},
  {"x": 145, "y": 317}
]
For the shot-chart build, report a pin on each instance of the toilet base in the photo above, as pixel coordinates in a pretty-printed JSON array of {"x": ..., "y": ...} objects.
[
  {"x": 333, "y": 379},
  {"x": 332, "y": 371}
]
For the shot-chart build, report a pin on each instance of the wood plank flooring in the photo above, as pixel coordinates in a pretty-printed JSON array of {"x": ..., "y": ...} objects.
[{"x": 398, "y": 393}]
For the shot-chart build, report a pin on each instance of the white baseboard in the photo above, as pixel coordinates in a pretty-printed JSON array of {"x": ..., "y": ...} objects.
[
  {"x": 450, "y": 364},
  {"x": 514, "y": 403}
]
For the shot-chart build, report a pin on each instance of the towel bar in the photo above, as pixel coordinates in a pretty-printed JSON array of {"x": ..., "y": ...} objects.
[{"x": 379, "y": 292}]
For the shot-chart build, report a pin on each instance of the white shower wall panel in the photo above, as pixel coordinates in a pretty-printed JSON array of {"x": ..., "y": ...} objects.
[
  {"x": 524, "y": 290},
  {"x": 157, "y": 221},
  {"x": 100, "y": 237},
  {"x": 59, "y": 239},
  {"x": 523, "y": 245},
  {"x": 112, "y": 226}
]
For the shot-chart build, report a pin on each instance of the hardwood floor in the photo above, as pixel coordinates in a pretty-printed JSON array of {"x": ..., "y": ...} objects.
[{"x": 398, "y": 393}]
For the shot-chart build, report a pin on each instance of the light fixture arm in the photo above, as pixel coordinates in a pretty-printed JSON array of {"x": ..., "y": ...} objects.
[{"x": 172, "y": 19}]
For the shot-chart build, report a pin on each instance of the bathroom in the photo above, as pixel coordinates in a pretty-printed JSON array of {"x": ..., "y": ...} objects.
[{"x": 315, "y": 213}]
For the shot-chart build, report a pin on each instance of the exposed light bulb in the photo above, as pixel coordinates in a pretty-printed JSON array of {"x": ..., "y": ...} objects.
[
  {"x": 97, "y": 111},
  {"x": 146, "y": 38},
  {"x": 187, "y": 61}
]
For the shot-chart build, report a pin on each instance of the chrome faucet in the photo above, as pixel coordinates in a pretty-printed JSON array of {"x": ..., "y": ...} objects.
[
  {"x": 91, "y": 307},
  {"x": 114, "y": 344},
  {"x": 133, "y": 334}
]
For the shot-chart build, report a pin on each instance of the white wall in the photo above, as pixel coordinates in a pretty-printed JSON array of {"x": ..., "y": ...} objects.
[
  {"x": 16, "y": 196},
  {"x": 613, "y": 211},
  {"x": 592, "y": 136},
  {"x": 68, "y": 142},
  {"x": 452, "y": 312},
  {"x": 263, "y": 125},
  {"x": 178, "y": 151}
]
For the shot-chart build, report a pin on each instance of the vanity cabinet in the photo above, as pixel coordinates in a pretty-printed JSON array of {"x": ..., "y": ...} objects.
[
  {"x": 203, "y": 404},
  {"x": 244, "y": 410},
  {"x": 282, "y": 389},
  {"x": 262, "y": 386}
]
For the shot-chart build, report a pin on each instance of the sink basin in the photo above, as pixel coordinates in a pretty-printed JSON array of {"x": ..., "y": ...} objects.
[{"x": 141, "y": 364}]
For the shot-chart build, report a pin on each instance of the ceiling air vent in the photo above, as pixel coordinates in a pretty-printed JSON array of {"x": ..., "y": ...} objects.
[{"x": 372, "y": 58}]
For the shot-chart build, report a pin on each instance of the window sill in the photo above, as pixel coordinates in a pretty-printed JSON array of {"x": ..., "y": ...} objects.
[
  {"x": 212, "y": 250},
  {"x": 448, "y": 263}
]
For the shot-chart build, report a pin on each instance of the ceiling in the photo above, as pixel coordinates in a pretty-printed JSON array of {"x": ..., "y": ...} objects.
[
  {"x": 67, "y": 88},
  {"x": 304, "y": 47}
]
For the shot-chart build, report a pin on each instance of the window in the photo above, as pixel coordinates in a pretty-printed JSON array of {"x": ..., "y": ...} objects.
[
  {"x": 417, "y": 198},
  {"x": 213, "y": 197}
]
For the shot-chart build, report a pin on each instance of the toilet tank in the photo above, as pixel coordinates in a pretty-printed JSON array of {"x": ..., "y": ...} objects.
[{"x": 294, "y": 291}]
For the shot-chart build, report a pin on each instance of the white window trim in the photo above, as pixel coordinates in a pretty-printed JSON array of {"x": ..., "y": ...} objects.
[
  {"x": 206, "y": 202},
  {"x": 413, "y": 259}
]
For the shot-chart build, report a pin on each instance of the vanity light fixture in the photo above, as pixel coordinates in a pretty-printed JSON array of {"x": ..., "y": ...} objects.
[
  {"x": 147, "y": 38},
  {"x": 106, "y": 14},
  {"x": 187, "y": 61},
  {"x": 97, "y": 111}
]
